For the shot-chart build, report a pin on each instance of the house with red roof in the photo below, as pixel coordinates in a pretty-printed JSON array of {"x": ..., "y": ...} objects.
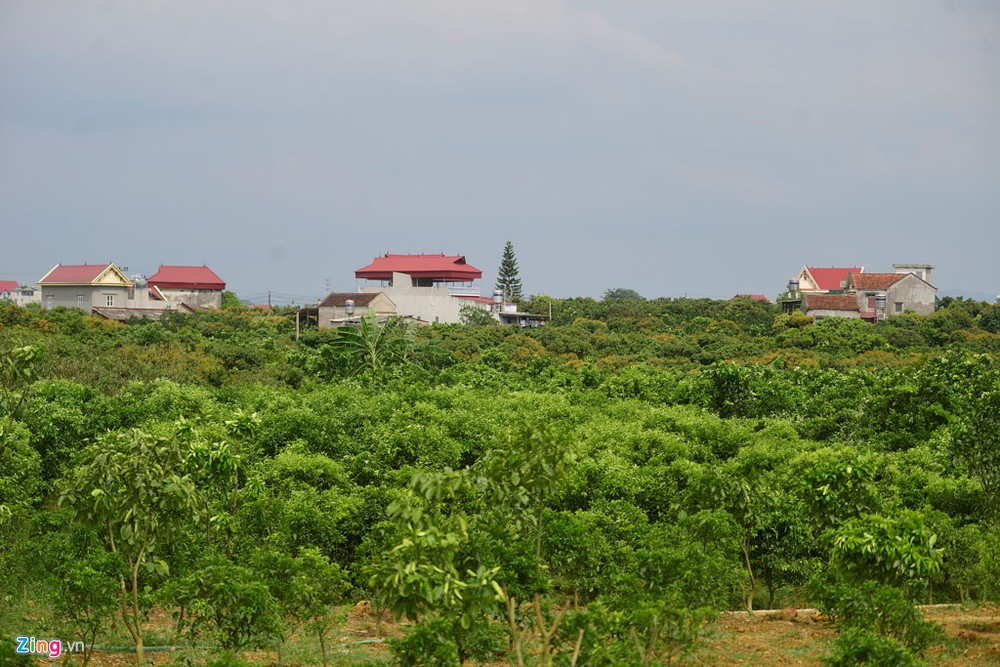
[
  {"x": 825, "y": 279},
  {"x": 103, "y": 290},
  {"x": 8, "y": 288},
  {"x": 17, "y": 293},
  {"x": 869, "y": 296},
  {"x": 194, "y": 286},
  {"x": 428, "y": 288},
  {"x": 85, "y": 286}
]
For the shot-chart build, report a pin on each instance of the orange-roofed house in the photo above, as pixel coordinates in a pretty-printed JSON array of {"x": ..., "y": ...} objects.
[
  {"x": 820, "y": 305},
  {"x": 881, "y": 295},
  {"x": 194, "y": 286}
]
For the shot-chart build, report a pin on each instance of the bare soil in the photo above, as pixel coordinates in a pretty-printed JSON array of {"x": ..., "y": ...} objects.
[{"x": 784, "y": 637}]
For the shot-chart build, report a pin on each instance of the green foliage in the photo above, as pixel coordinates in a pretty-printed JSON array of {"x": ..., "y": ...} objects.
[
  {"x": 131, "y": 485},
  {"x": 372, "y": 347},
  {"x": 429, "y": 573},
  {"x": 858, "y": 646},
  {"x": 17, "y": 372},
  {"x": 890, "y": 550},
  {"x": 621, "y": 294},
  {"x": 88, "y": 598},
  {"x": 976, "y": 441},
  {"x": 879, "y": 608},
  {"x": 9, "y": 655},
  {"x": 475, "y": 316},
  {"x": 698, "y": 453},
  {"x": 229, "y": 601},
  {"x": 425, "y": 644},
  {"x": 838, "y": 487}
]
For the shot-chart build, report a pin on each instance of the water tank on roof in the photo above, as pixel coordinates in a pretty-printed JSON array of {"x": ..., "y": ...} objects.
[
  {"x": 497, "y": 300},
  {"x": 349, "y": 307},
  {"x": 880, "y": 302}
]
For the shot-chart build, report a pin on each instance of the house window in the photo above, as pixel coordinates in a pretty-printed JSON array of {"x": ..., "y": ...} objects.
[
  {"x": 79, "y": 301},
  {"x": 899, "y": 306},
  {"x": 109, "y": 300}
]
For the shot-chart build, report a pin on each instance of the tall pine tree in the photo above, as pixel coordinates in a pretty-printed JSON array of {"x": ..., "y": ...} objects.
[{"x": 507, "y": 279}]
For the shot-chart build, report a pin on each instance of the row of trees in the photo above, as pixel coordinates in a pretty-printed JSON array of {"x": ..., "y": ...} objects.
[{"x": 506, "y": 501}]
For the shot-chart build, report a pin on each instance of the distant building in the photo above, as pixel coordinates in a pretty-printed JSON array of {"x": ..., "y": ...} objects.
[
  {"x": 340, "y": 308},
  {"x": 819, "y": 306},
  {"x": 869, "y": 296},
  {"x": 754, "y": 297},
  {"x": 195, "y": 286},
  {"x": 103, "y": 290},
  {"x": 821, "y": 279},
  {"x": 428, "y": 288},
  {"x": 881, "y": 295},
  {"x": 431, "y": 289},
  {"x": 85, "y": 286}
]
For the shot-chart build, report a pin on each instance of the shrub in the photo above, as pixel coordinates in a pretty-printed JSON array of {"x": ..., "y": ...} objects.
[
  {"x": 861, "y": 647},
  {"x": 427, "y": 643}
]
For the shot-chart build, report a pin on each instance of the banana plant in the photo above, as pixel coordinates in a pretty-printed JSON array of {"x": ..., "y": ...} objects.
[{"x": 372, "y": 347}]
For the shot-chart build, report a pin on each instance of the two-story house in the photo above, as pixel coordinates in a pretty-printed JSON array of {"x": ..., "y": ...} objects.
[{"x": 85, "y": 286}]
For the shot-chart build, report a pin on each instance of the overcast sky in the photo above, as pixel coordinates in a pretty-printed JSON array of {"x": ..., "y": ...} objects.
[{"x": 700, "y": 147}]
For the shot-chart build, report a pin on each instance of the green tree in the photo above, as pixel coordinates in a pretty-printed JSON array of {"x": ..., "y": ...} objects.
[
  {"x": 976, "y": 441},
  {"x": 87, "y": 597},
  {"x": 621, "y": 294},
  {"x": 507, "y": 278},
  {"x": 431, "y": 575},
  {"x": 476, "y": 316},
  {"x": 17, "y": 373},
  {"x": 131, "y": 485},
  {"x": 232, "y": 601}
]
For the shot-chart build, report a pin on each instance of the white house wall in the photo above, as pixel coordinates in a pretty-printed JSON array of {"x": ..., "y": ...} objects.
[{"x": 429, "y": 304}]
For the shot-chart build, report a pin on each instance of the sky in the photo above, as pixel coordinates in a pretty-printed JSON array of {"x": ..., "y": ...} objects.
[{"x": 673, "y": 147}]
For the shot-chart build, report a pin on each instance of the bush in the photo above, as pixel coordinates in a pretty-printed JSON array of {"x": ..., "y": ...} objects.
[
  {"x": 878, "y": 608},
  {"x": 861, "y": 647},
  {"x": 427, "y": 643}
]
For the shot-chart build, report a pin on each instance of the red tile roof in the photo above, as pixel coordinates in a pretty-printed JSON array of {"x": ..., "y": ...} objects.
[
  {"x": 436, "y": 267},
  {"x": 875, "y": 281},
  {"x": 755, "y": 297},
  {"x": 830, "y": 302},
  {"x": 833, "y": 277},
  {"x": 9, "y": 286},
  {"x": 186, "y": 277},
  {"x": 74, "y": 274}
]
